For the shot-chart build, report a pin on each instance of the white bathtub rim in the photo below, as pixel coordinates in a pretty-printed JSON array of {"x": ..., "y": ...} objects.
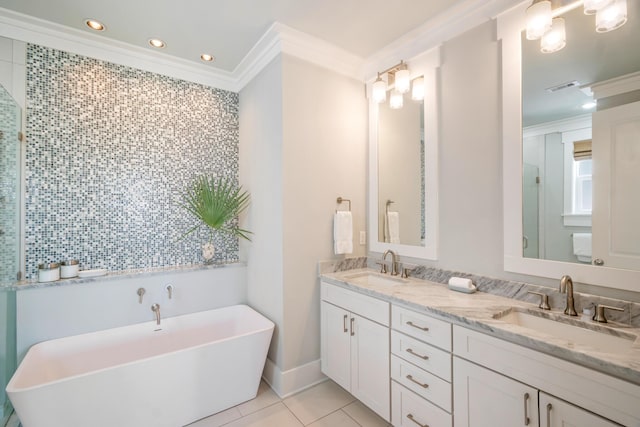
[{"x": 11, "y": 389}]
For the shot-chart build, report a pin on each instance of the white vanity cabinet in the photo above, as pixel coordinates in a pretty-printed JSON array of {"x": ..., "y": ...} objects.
[
  {"x": 420, "y": 369},
  {"x": 515, "y": 386},
  {"x": 355, "y": 345}
]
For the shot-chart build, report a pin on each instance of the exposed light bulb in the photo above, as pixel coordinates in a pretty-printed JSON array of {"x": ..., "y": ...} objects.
[
  {"x": 417, "y": 89},
  {"x": 538, "y": 19},
  {"x": 554, "y": 39},
  {"x": 379, "y": 90},
  {"x": 396, "y": 100},
  {"x": 403, "y": 80},
  {"x": 593, "y": 6},
  {"x": 611, "y": 17}
]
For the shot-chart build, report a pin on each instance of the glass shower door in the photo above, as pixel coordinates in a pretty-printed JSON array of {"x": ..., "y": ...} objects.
[{"x": 10, "y": 161}]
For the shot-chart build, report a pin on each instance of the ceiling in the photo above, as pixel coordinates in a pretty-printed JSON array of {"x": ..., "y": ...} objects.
[
  {"x": 228, "y": 29},
  {"x": 588, "y": 57}
]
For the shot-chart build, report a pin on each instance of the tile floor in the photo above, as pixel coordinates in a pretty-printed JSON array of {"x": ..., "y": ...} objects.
[{"x": 323, "y": 405}]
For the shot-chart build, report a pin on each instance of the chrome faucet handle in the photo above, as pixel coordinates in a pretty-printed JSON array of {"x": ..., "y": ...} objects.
[
  {"x": 544, "y": 300},
  {"x": 140, "y": 293},
  {"x": 405, "y": 272},
  {"x": 169, "y": 289},
  {"x": 600, "y": 311},
  {"x": 383, "y": 267},
  {"x": 156, "y": 309}
]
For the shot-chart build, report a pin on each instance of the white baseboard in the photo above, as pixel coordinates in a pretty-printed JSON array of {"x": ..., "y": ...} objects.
[{"x": 294, "y": 380}]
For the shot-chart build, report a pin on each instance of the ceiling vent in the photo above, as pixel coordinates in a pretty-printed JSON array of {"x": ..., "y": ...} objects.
[{"x": 562, "y": 86}]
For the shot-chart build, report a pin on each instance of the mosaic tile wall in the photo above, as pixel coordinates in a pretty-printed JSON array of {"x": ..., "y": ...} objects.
[
  {"x": 110, "y": 150},
  {"x": 9, "y": 189}
]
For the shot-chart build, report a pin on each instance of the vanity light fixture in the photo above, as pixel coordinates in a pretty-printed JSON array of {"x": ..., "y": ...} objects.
[
  {"x": 379, "y": 90},
  {"x": 94, "y": 25},
  {"x": 396, "y": 100},
  {"x": 157, "y": 43},
  {"x": 398, "y": 78},
  {"x": 403, "y": 78},
  {"x": 544, "y": 22},
  {"x": 207, "y": 58},
  {"x": 554, "y": 39},
  {"x": 417, "y": 89}
]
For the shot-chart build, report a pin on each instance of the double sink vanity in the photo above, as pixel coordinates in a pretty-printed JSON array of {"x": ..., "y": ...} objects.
[{"x": 420, "y": 354}]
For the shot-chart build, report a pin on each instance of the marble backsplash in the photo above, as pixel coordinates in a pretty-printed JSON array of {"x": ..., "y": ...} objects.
[{"x": 505, "y": 288}]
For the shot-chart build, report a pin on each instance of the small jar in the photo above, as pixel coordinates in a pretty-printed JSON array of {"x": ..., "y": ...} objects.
[
  {"x": 48, "y": 272},
  {"x": 69, "y": 268}
]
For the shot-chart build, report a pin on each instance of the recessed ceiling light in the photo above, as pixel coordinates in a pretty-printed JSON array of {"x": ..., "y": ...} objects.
[
  {"x": 589, "y": 105},
  {"x": 157, "y": 43},
  {"x": 95, "y": 25},
  {"x": 206, "y": 57}
]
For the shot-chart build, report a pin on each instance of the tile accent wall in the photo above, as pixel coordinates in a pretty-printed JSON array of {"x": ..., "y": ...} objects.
[{"x": 110, "y": 150}]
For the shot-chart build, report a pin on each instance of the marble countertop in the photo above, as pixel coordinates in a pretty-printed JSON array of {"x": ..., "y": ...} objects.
[{"x": 480, "y": 311}]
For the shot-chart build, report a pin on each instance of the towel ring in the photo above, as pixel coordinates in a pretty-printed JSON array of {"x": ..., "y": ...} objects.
[{"x": 340, "y": 201}]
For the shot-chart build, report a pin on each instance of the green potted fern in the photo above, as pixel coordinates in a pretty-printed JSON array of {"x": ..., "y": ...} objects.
[{"x": 216, "y": 203}]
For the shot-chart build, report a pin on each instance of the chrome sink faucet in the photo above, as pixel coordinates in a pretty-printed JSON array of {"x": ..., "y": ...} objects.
[
  {"x": 566, "y": 285},
  {"x": 394, "y": 261}
]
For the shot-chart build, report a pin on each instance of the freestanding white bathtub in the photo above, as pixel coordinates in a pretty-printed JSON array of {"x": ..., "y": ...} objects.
[{"x": 142, "y": 375}]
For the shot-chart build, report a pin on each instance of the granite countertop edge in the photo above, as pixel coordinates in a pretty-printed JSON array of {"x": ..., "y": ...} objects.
[{"x": 475, "y": 311}]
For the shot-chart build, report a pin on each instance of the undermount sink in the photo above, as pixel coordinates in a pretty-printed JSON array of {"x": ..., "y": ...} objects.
[
  {"x": 592, "y": 335},
  {"x": 369, "y": 278}
]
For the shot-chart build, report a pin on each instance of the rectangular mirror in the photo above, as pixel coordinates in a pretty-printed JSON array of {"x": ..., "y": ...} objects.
[
  {"x": 568, "y": 169},
  {"x": 403, "y": 169}
]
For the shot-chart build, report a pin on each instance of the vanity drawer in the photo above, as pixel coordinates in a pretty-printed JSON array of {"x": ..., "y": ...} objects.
[
  {"x": 365, "y": 306},
  {"x": 425, "y": 328},
  {"x": 425, "y": 356},
  {"x": 410, "y": 410},
  {"x": 424, "y": 384}
]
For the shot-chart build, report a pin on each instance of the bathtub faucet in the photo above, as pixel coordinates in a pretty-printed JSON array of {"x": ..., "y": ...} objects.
[{"x": 156, "y": 309}]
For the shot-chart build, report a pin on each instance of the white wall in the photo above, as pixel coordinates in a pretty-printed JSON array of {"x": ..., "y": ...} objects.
[
  {"x": 260, "y": 171},
  {"x": 470, "y": 154},
  {"x": 324, "y": 156},
  {"x": 302, "y": 144},
  {"x": 59, "y": 311}
]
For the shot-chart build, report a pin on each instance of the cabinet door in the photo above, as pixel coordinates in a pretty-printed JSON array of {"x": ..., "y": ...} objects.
[
  {"x": 335, "y": 344},
  {"x": 483, "y": 398},
  {"x": 370, "y": 365},
  {"x": 558, "y": 413}
]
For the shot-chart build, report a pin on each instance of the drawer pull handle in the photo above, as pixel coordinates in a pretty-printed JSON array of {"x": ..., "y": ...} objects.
[
  {"x": 410, "y": 351},
  {"x": 422, "y": 328},
  {"x": 526, "y": 410},
  {"x": 413, "y": 380},
  {"x": 352, "y": 330},
  {"x": 410, "y": 416},
  {"x": 344, "y": 324},
  {"x": 549, "y": 407}
]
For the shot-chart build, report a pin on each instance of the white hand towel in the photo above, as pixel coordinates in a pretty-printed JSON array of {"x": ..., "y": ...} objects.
[
  {"x": 582, "y": 246},
  {"x": 343, "y": 232},
  {"x": 393, "y": 219}
]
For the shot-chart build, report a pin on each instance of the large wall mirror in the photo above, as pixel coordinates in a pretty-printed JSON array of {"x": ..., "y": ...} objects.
[
  {"x": 571, "y": 151},
  {"x": 403, "y": 170}
]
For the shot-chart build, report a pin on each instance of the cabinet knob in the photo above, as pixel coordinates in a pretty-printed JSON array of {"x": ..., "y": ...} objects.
[{"x": 598, "y": 262}]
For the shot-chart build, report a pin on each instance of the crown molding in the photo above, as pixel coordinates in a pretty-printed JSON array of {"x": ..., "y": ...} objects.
[
  {"x": 452, "y": 22},
  {"x": 29, "y": 29},
  {"x": 278, "y": 39}
]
